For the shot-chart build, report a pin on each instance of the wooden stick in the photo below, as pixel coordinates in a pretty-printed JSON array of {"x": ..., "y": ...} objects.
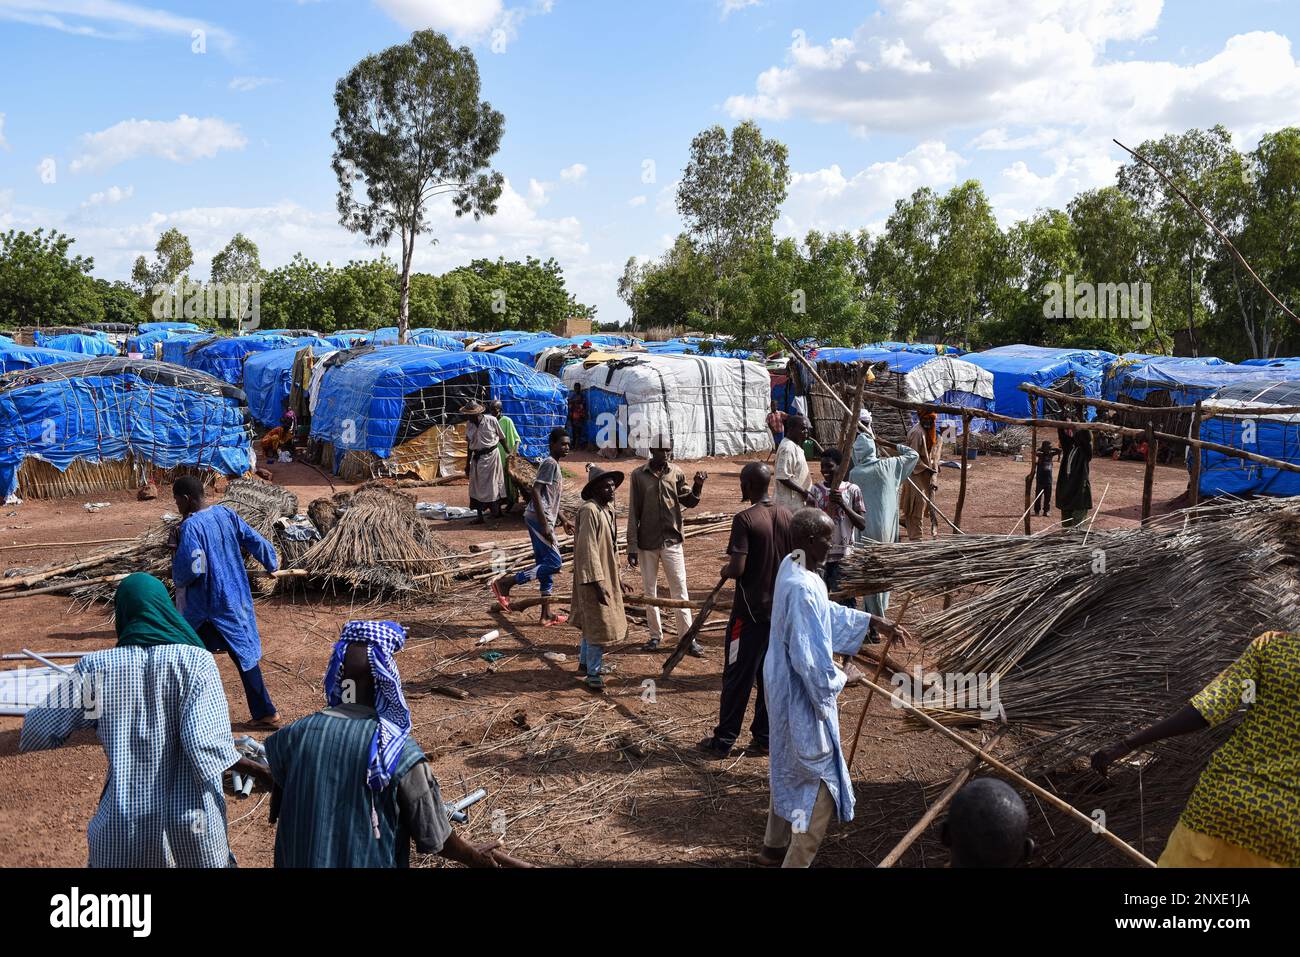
[
  {"x": 66, "y": 586},
  {"x": 685, "y": 641},
  {"x": 933, "y": 810},
  {"x": 48, "y": 573},
  {"x": 101, "y": 541},
  {"x": 1030, "y": 491},
  {"x": 965, "y": 448},
  {"x": 1226, "y": 411},
  {"x": 1149, "y": 473},
  {"x": 534, "y": 601},
  {"x": 1093, "y": 825},
  {"x": 1194, "y": 498},
  {"x": 857, "y": 733},
  {"x": 1208, "y": 222}
]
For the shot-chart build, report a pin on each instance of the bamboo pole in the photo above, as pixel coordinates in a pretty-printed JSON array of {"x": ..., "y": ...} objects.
[
  {"x": 101, "y": 541},
  {"x": 965, "y": 449},
  {"x": 1092, "y": 824},
  {"x": 1194, "y": 497},
  {"x": 1149, "y": 473},
  {"x": 917, "y": 829},
  {"x": 1214, "y": 411}
]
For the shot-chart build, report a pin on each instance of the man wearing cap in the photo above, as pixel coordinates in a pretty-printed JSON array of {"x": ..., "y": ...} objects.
[
  {"x": 487, "y": 485},
  {"x": 597, "y": 606},
  {"x": 654, "y": 533}
]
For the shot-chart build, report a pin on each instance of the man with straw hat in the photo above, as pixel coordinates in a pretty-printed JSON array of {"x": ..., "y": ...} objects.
[
  {"x": 487, "y": 486},
  {"x": 597, "y": 606}
]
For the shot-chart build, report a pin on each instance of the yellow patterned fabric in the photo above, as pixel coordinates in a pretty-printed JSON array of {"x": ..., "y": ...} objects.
[
  {"x": 1188, "y": 848},
  {"x": 1249, "y": 793}
]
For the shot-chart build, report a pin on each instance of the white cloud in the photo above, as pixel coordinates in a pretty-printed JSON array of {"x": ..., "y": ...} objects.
[
  {"x": 4, "y": 143},
  {"x": 924, "y": 65},
  {"x": 246, "y": 84},
  {"x": 181, "y": 140},
  {"x": 827, "y": 200},
  {"x": 109, "y": 197},
  {"x": 574, "y": 174},
  {"x": 731, "y": 6},
  {"x": 637, "y": 201},
  {"x": 110, "y": 19},
  {"x": 464, "y": 20},
  {"x": 537, "y": 197}
]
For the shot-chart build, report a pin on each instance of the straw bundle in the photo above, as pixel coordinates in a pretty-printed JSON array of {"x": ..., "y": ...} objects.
[
  {"x": 1092, "y": 637},
  {"x": 380, "y": 543}
]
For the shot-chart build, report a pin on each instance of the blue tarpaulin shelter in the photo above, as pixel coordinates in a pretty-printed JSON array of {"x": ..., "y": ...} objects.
[
  {"x": 1179, "y": 380},
  {"x": 708, "y": 347},
  {"x": 81, "y": 344},
  {"x": 111, "y": 409},
  {"x": 415, "y": 337},
  {"x": 14, "y": 356},
  {"x": 1280, "y": 362},
  {"x": 923, "y": 378},
  {"x": 268, "y": 377},
  {"x": 1274, "y": 436},
  {"x": 381, "y": 399},
  {"x": 924, "y": 348},
  {"x": 1076, "y": 371},
  {"x": 167, "y": 327},
  {"x": 221, "y": 357}
]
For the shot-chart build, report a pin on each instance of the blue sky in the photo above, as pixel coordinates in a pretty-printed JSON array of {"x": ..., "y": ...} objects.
[{"x": 112, "y": 127}]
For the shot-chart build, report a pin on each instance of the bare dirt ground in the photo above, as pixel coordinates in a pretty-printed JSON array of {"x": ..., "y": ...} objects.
[{"x": 573, "y": 779}]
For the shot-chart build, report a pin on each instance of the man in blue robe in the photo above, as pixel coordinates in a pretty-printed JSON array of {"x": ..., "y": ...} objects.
[
  {"x": 212, "y": 590},
  {"x": 809, "y": 777},
  {"x": 880, "y": 481}
]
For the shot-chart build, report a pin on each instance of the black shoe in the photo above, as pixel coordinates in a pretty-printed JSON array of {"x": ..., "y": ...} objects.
[
  {"x": 651, "y": 645},
  {"x": 713, "y": 748},
  {"x": 756, "y": 750}
]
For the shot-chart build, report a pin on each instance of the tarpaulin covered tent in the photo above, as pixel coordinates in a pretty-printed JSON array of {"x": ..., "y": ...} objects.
[
  {"x": 706, "y": 347},
  {"x": 1076, "y": 371},
  {"x": 268, "y": 379},
  {"x": 13, "y": 356},
  {"x": 379, "y": 401},
  {"x": 530, "y": 349},
  {"x": 1279, "y": 362},
  {"x": 81, "y": 344},
  {"x": 912, "y": 377},
  {"x": 924, "y": 348},
  {"x": 45, "y": 337},
  {"x": 221, "y": 357},
  {"x": 1274, "y": 436},
  {"x": 167, "y": 327},
  {"x": 344, "y": 340},
  {"x": 104, "y": 423},
  {"x": 705, "y": 405},
  {"x": 415, "y": 337},
  {"x": 1180, "y": 380}
]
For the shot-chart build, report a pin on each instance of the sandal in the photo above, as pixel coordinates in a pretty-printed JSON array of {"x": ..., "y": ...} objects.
[
  {"x": 502, "y": 599},
  {"x": 557, "y": 620}
]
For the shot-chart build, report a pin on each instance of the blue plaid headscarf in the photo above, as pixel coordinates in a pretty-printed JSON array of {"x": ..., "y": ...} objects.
[{"x": 382, "y": 639}]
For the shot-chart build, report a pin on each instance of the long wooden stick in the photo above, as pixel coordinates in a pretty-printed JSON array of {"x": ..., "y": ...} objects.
[
  {"x": 1092, "y": 824},
  {"x": 685, "y": 641},
  {"x": 1149, "y": 472},
  {"x": 66, "y": 586},
  {"x": 658, "y": 602},
  {"x": 1208, "y": 222},
  {"x": 101, "y": 541},
  {"x": 917, "y": 829},
  {"x": 857, "y": 732}
]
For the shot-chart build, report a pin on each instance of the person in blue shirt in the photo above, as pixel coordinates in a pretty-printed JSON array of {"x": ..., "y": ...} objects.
[{"x": 212, "y": 590}]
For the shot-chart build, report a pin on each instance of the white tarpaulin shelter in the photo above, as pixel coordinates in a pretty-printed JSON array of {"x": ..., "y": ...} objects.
[{"x": 705, "y": 405}]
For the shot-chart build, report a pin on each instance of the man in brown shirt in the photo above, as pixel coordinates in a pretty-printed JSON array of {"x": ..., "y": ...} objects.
[{"x": 654, "y": 534}]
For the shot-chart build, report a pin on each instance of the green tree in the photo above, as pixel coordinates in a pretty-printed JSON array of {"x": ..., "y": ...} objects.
[
  {"x": 238, "y": 262},
  {"x": 119, "y": 302},
  {"x": 296, "y": 296},
  {"x": 42, "y": 284},
  {"x": 172, "y": 257},
  {"x": 730, "y": 195},
  {"x": 412, "y": 128}
]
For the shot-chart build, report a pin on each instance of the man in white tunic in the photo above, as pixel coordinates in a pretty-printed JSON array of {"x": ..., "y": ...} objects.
[
  {"x": 487, "y": 486},
  {"x": 809, "y": 777}
]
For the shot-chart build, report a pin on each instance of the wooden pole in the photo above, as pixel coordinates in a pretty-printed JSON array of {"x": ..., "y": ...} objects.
[
  {"x": 933, "y": 810},
  {"x": 684, "y": 643},
  {"x": 1194, "y": 498},
  {"x": 880, "y": 667},
  {"x": 66, "y": 586},
  {"x": 1033, "y": 465},
  {"x": 965, "y": 458},
  {"x": 1091, "y": 823},
  {"x": 1148, "y": 476}
]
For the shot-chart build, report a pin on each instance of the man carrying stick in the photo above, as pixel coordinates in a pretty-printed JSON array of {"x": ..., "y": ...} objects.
[
  {"x": 541, "y": 517},
  {"x": 792, "y": 475},
  {"x": 597, "y": 606},
  {"x": 809, "y": 778},
  {"x": 760, "y": 539}
]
